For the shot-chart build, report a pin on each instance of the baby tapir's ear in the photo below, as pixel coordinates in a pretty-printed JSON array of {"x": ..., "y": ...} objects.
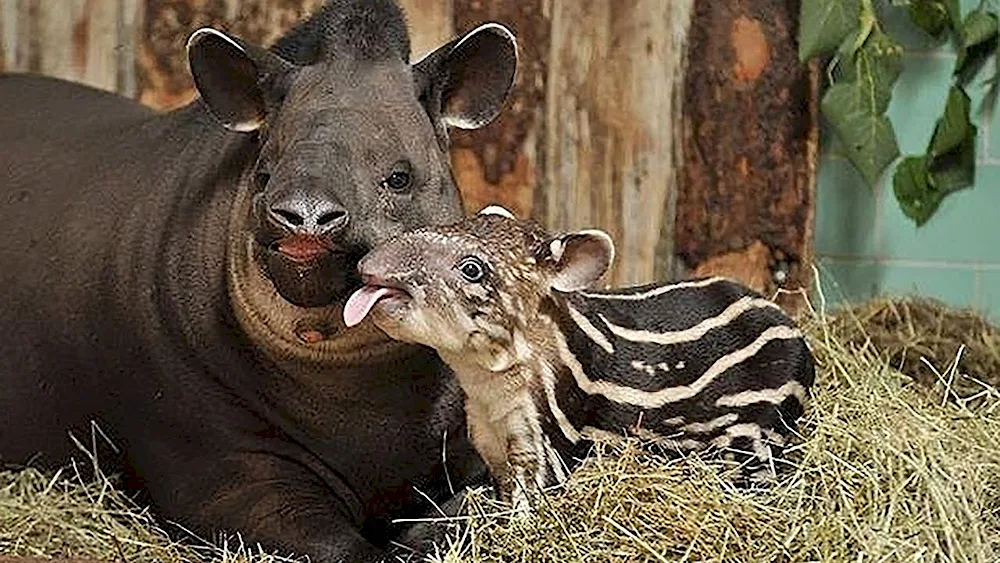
[
  {"x": 496, "y": 210},
  {"x": 580, "y": 259}
]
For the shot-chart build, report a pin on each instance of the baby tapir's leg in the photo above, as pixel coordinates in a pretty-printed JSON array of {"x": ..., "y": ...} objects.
[
  {"x": 527, "y": 468},
  {"x": 488, "y": 440},
  {"x": 512, "y": 447}
]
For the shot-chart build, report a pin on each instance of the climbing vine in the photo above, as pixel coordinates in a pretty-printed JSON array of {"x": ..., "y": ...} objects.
[{"x": 865, "y": 62}]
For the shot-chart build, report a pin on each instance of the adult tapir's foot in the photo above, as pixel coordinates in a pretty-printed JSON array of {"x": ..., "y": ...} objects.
[{"x": 272, "y": 500}]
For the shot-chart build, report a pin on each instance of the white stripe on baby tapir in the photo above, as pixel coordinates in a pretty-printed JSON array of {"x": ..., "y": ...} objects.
[
  {"x": 540, "y": 443},
  {"x": 737, "y": 308},
  {"x": 593, "y": 434},
  {"x": 589, "y": 329},
  {"x": 558, "y": 465},
  {"x": 549, "y": 383},
  {"x": 655, "y": 399},
  {"x": 715, "y": 423},
  {"x": 773, "y": 396},
  {"x": 657, "y": 291},
  {"x": 752, "y": 431},
  {"x": 687, "y": 444}
]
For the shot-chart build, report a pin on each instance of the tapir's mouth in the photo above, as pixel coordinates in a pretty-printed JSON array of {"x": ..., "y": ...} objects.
[
  {"x": 304, "y": 249},
  {"x": 308, "y": 271},
  {"x": 374, "y": 292}
]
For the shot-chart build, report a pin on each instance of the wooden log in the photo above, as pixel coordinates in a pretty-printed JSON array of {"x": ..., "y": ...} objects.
[
  {"x": 745, "y": 207},
  {"x": 84, "y": 41},
  {"x": 28, "y": 38},
  {"x": 430, "y": 24},
  {"x": 614, "y": 80},
  {"x": 501, "y": 163},
  {"x": 8, "y": 11}
]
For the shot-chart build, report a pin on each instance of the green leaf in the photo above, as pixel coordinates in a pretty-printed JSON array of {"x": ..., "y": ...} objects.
[
  {"x": 852, "y": 42},
  {"x": 979, "y": 26},
  {"x": 953, "y": 127},
  {"x": 869, "y": 139},
  {"x": 823, "y": 24},
  {"x": 929, "y": 15},
  {"x": 875, "y": 68},
  {"x": 911, "y": 184},
  {"x": 953, "y": 145},
  {"x": 957, "y": 169},
  {"x": 992, "y": 85},
  {"x": 855, "y": 104},
  {"x": 977, "y": 41},
  {"x": 921, "y": 183}
]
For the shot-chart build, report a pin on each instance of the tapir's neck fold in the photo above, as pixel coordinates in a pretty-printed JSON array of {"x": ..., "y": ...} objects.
[{"x": 276, "y": 326}]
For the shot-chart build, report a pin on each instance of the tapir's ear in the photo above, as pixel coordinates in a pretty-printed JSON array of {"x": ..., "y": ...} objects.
[
  {"x": 580, "y": 259},
  {"x": 465, "y": 82},
  {"x": 236, "y": 80}
]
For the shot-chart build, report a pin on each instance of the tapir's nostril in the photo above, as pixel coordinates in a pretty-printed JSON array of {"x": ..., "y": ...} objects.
[
  {"x": 331, "y": 218},
  {"x": 289, "y": 217},
  {"x": 309, "y": 214}
]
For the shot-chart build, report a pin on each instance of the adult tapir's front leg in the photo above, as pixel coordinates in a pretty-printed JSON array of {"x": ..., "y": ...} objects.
[{"x": 274, "y": 499}]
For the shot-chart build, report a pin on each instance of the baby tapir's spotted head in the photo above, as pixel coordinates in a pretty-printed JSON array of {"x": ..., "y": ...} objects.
[{"x": 470, "y": 290}]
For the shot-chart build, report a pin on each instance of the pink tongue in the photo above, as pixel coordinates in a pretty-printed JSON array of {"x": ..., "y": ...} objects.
[{"x": 360, "y": 304}]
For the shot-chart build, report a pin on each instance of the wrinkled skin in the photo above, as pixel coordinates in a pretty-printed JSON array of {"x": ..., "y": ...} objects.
[{"x": 176, "y": 280}]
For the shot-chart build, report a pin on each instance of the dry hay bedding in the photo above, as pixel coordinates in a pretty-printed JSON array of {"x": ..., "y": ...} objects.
[{"x": 889, "y": 471}]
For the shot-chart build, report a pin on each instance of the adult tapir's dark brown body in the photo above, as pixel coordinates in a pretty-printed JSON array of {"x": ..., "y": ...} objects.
[{"x": 136, "y": 249}]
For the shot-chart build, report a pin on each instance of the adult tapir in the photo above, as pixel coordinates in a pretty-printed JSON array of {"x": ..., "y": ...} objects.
[{"x": 176, "y": 280}]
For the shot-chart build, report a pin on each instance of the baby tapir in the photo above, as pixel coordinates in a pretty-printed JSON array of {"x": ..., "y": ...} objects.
[{"x": 704, "y": 364}]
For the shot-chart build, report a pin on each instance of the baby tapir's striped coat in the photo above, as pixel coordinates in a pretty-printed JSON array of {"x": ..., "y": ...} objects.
[{"x": 545, "y": 362}]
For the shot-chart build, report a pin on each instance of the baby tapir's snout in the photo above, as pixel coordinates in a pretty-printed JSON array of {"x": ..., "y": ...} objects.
[
  {"x": 383, "y": 276},
  {"x": 379, "y": 264}
]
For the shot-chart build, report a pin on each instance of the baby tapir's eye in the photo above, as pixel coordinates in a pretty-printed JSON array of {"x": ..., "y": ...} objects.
[
  {"x": 472, "y": 269},
  {"x": 399, "y": 179}
]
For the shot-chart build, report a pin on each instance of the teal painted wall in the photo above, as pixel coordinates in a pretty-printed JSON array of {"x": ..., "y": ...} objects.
[{"x": 865, "y": 246}]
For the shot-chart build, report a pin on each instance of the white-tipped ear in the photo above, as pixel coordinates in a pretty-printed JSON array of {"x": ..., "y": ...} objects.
[
  {"x": 580, "y": 258},
  {"x": 228, "y": 76},
  {"x": 470, "y": 78},
  {"x": 497, "y": 210}
]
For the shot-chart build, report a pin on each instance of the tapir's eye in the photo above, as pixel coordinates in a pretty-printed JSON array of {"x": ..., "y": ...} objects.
[
  {"x": 399, "y": 179},
  {"x": 261, "y": 177},
  {"x": 472, "y": 269}
]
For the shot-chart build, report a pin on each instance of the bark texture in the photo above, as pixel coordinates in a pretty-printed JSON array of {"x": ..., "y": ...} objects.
[{"x": 745, "y": 207}]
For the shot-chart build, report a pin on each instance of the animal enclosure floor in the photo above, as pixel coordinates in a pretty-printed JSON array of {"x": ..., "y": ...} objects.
[{"x": 893, "y": 467}]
